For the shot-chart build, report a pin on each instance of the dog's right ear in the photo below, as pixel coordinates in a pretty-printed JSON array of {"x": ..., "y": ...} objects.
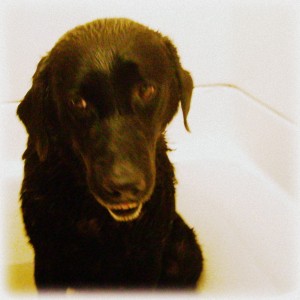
[
  {"x": 33, "y": 109},
  {"x": 184, "y": 82}
]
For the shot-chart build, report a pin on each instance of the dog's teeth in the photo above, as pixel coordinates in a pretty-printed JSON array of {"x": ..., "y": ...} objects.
[
  {"x": 124, "y": 206},
  {"x": 125, "y": 218}
]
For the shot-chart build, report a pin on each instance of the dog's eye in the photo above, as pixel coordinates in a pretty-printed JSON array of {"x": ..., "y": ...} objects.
[
  {"x": 79, "y": 103},
  {"x": 145, "y": 92}
]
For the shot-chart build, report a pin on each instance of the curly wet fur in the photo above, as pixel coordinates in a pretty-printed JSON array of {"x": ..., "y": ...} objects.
[{"x": 71, "y": 153}]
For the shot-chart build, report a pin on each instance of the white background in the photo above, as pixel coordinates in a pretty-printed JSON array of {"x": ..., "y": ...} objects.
[{"x": 237, "y": 171}]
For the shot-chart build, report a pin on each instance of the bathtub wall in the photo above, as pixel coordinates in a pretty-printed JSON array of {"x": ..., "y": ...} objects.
[{"x": 253, "y": 44}]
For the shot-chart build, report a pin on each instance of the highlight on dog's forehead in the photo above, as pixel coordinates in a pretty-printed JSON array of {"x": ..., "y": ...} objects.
[
  {"x": 104, "y": 59},
  {"x": 119, "y": 71},
  {"x": 149, "y": 63}
]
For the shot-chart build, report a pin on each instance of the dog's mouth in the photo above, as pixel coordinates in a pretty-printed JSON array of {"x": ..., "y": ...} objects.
[{"x": 125, "y": 212}]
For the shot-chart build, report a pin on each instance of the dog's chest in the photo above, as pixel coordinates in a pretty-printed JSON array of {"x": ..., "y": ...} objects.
[
  {"x": 110, "y": 237},
  {"x": 113, "y": 249},
  {"x": 89, "y": 228}
]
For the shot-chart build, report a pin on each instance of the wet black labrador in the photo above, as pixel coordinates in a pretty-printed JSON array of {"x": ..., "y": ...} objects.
[{"x": 98, "y": 190}]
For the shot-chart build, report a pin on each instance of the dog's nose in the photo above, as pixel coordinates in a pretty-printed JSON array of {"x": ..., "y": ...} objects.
[
  {"x": 124, "y": 184},
  {"x": 124, "y": 189}
]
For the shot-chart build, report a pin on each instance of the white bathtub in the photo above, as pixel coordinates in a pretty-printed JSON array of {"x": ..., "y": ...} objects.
[
  {"x": 238, "y": 180},
  {"x": 237, "y": 186}
]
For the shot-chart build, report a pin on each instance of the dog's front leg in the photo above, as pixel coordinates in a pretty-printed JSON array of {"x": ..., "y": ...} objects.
[
  {"x": 49, "y": 274},
  {"x": 182, "y": 261}
]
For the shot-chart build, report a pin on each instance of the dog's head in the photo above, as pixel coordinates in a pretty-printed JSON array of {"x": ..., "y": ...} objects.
[{"x": 108, "y": 89}]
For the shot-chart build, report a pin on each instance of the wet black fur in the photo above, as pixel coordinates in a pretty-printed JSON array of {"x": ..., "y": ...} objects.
[{"x": 71, "y": 150}]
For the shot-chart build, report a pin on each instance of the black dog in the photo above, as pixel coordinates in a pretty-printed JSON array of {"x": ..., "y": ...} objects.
[{"x": 98, "y": 192}]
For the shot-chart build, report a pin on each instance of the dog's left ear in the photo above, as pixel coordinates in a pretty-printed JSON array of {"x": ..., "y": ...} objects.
[
  {"x": 184, "y": 81},
  {"x": 186, "y": 95},
  {"x": 33, "y": 110}
]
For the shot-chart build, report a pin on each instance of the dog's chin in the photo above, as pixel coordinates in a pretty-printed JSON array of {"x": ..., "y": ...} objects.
[{"x": 123, "y": 212}]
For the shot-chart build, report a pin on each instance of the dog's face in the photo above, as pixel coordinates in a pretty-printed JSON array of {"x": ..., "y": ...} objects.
[{"x": 108, "y": 90}]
